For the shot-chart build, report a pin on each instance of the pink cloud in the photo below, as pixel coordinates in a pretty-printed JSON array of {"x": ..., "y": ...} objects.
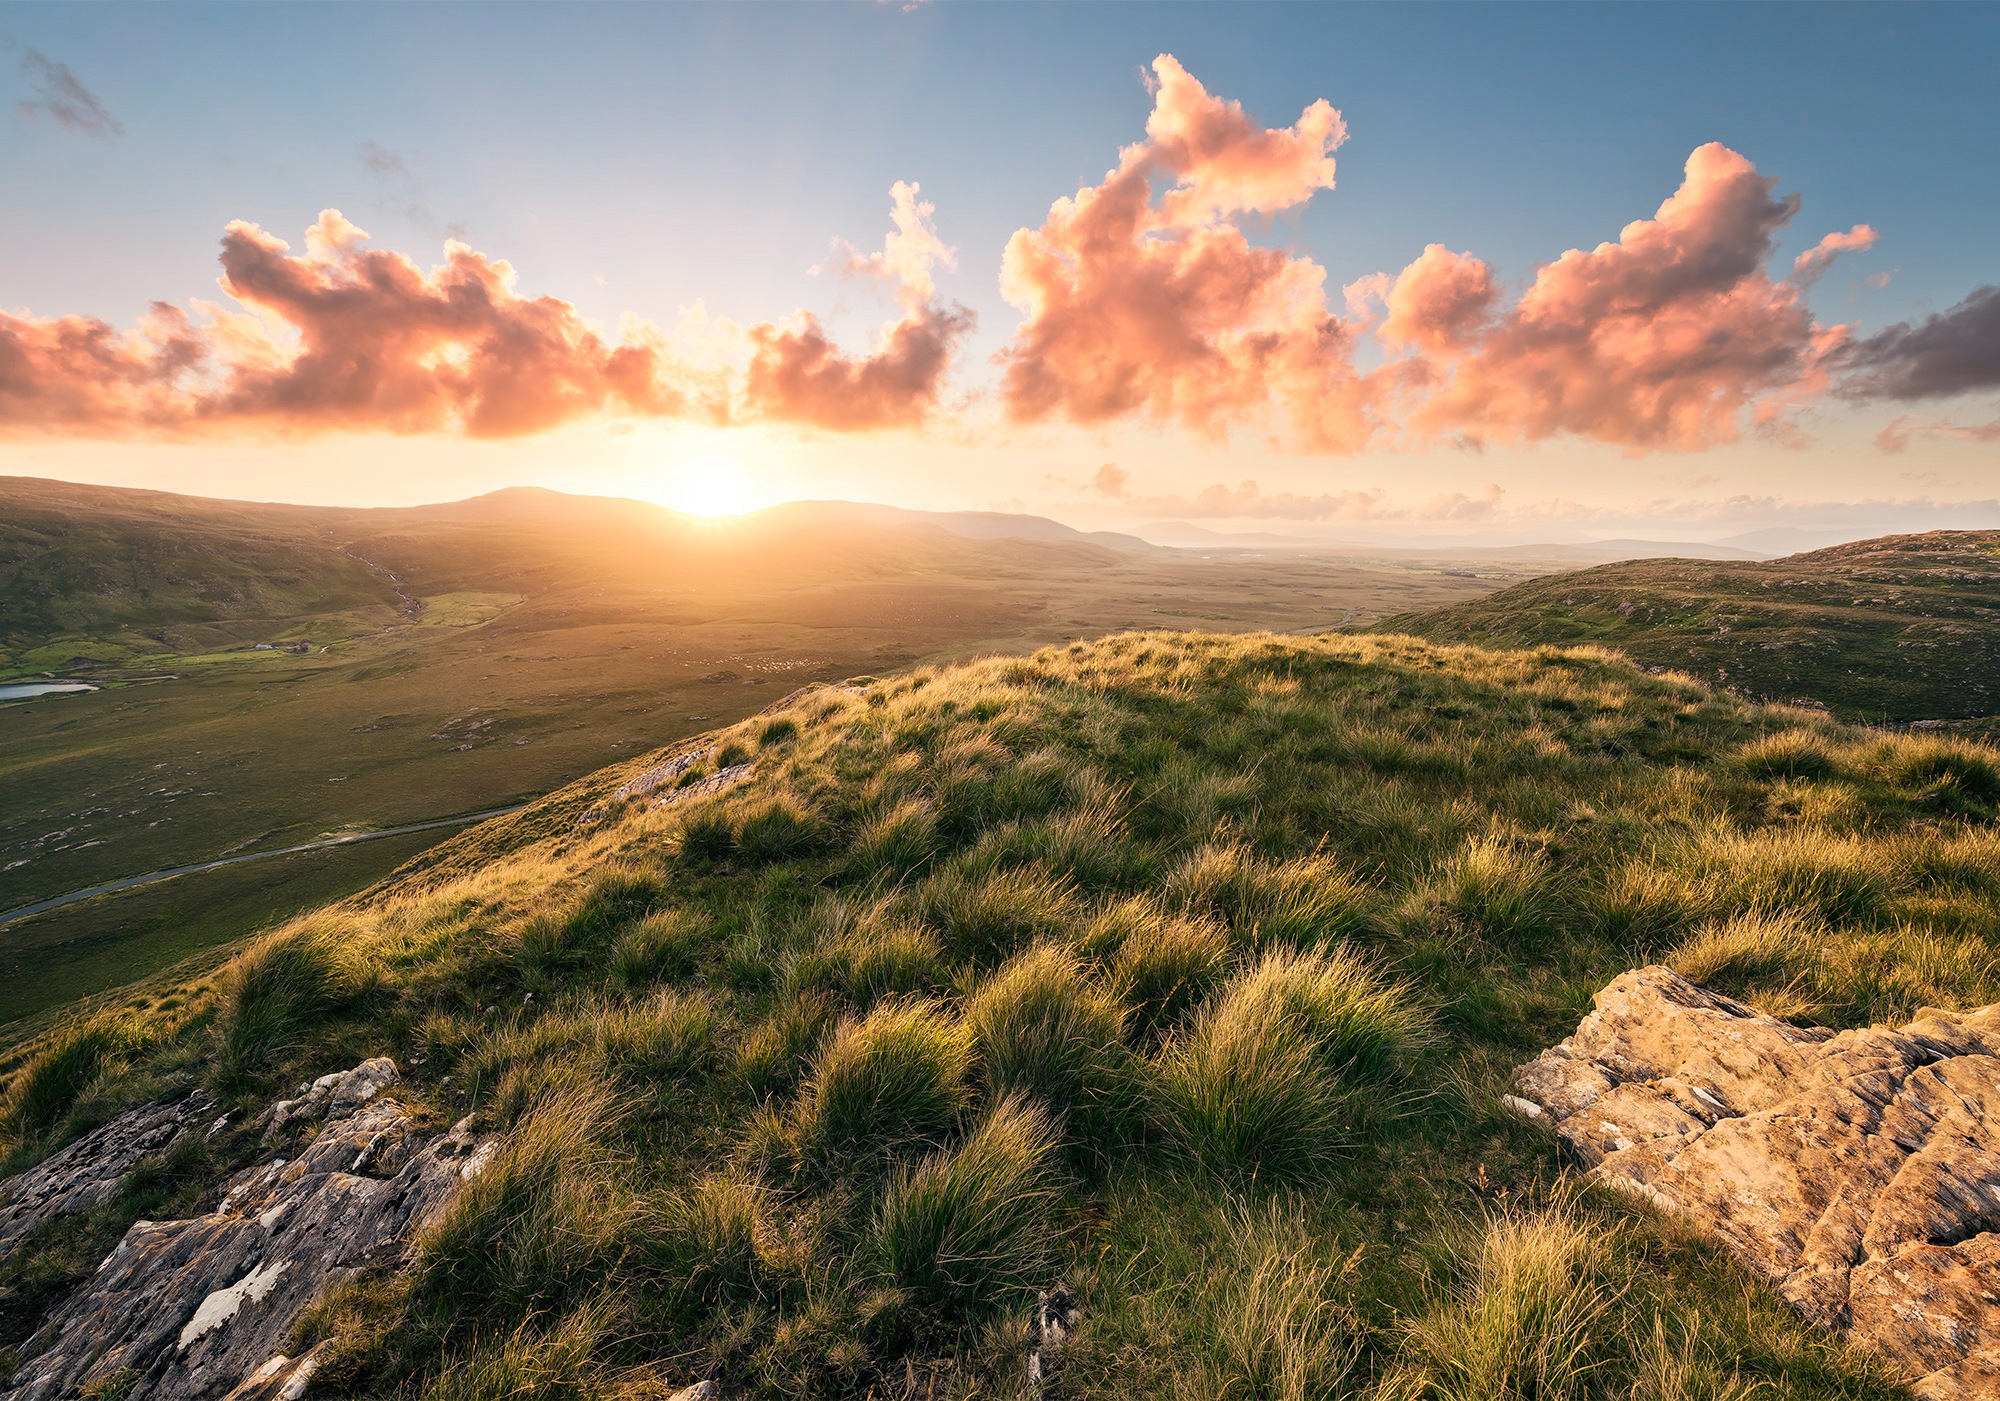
[
  {"x": 797, "y": 374},
  {"x": 346, "y": 338},
  {"x": 1904, "y": 427},
  {"x": 1143, "y": 296},
  {"x": 1812, "y": 264},
  {"x": 1663, "y": 339},
  {"x": 339, "y": 337}
]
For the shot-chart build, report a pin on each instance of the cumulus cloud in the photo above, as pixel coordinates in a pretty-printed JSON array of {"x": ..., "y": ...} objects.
[
  {"x": 1662, "y": 339},
  {"x": 1950, "y": 352},
  {"x": 344, "y": 337},
  {"x": 61, "y": 97},
  {"x": 797, "y": 374},
  {"x": 337, "y": 337},
  {"x": 1144, "y": 297}
]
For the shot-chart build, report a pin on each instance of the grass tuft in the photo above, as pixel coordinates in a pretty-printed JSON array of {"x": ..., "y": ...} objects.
[
  {"x": 969, "y": 1228},
  {"x": 1043, "y": 1031},
  {"x": 70, "y": 1060},
  {"x": 1789, "y": 754},
  {"x": 280, "y": 990},
  {"x": 536, "y": 1230},
  {"x": 1522, "y": 1319},
  {"x": 985, "y": 917},
  {"x": 895, "y": 1078},
  {"x": 1260, "y": 1084}
]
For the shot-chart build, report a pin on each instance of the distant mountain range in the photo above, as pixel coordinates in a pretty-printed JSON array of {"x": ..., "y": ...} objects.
[{"x": 1755, "y": 544}]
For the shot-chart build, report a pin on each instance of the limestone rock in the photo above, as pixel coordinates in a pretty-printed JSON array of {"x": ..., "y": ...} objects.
[
  {"x": 87, "y": 1174},
  {"x": 1857, "y": 1171},
  {"x": 332, "y": 1096},
  {"x": 199, "y": 1308}
]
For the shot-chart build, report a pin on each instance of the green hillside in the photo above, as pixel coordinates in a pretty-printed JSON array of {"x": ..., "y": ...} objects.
[
  {"x": 117, "y": 575},
  {"x": 421, "y": 662},
  {"x": 1902, "y": 628},
  {"x": 1184, "y": 969}
]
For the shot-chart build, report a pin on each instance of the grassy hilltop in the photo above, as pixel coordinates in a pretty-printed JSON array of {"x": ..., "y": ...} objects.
[
  {"x": 1184, "y": 969},
  {"x": 1906, "y": 627}
]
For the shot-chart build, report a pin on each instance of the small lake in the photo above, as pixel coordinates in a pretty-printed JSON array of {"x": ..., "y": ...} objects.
[{"x": 23, "y": 690}]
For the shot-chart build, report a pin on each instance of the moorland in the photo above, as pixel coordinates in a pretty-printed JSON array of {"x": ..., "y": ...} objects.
[
  {"x": 275, "y": 674},
  {"x": 1185, "y": 969},
  {"x": 1901, "y": 629}
]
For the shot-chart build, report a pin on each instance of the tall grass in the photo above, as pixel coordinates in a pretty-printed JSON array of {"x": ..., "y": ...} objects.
[
  {"x": 970, "y": 1227},
  {"x": 663, "y": 946},
  {"x": 1042, "y": 1030},
  {"x": 895, "y": 842},
  {"x": 984, "y": 917},
  {"x": 1307, "y": 901},
  {"x": 1274, "y": 1324},
  {"x": 1262, "y": 1083},
  {"x": 277, "y": 992},
  {"x": 537, "y": 1230},
  {"x": 64, "y": 1068},
  {"x": 1051, "y": 968},
  {"x": 1521, "y": 1322},
  {"x": 1163, "y": 969},
  {"x": 557, "y": 1363},
  {"x": 1492, "y": 889},
  {"x": 895, "y": 1078}
]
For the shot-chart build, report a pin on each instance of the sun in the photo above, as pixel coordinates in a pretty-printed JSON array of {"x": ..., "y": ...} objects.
[{"x": 712, "y": 486}]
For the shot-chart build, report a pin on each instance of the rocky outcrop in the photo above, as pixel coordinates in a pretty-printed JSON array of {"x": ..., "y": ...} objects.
[
  {"x": 1858, "y": 1171},
  {"x": 183, "y": 1310},
  {"x": 88, "y": 1173}
]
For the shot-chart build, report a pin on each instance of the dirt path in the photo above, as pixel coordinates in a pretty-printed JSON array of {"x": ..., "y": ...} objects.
[{"x": 9, "y": 916}]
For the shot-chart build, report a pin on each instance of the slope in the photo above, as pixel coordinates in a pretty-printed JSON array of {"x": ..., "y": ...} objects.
[
  {"x": 1902, "y": 628},
  {"x": 485, "y": 652},
  {"x": 1183, "y": 969}
]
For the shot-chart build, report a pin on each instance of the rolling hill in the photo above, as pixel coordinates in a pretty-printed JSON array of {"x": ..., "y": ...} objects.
[
  {"x": 1186, "y": 970},
  {"x": 418, "y": 663},
  {"x": 1904, "y": 628}
]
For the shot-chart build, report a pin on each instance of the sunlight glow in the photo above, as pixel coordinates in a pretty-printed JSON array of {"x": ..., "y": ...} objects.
[{"x": 711, "y": 486}]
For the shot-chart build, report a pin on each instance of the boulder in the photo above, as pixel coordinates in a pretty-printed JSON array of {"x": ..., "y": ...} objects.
[
  {"x": 184, "y": 1310},
  {"x": 1857, "y": 1171}
]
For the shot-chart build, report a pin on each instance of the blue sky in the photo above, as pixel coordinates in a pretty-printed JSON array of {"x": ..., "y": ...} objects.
[{"x": 633, "y": 158}]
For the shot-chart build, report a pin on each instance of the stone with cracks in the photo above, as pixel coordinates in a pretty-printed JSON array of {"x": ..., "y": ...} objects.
[
  {"x": 1858, "y": 1171},
  {"x": 194, "y": 1309},
  {"x": 88, "y": 1173}
]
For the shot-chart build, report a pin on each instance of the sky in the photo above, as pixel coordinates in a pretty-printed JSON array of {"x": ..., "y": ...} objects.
[{"x": 1497, "y": 272}]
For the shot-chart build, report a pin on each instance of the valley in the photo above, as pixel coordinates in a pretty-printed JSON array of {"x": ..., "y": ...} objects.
[{"x": 423, "y": 663}]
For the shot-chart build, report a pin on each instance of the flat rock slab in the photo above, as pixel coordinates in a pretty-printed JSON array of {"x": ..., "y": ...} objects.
[
  {"x": 1858, "y": 1171},
  {"x": 194, "y": 1309}
]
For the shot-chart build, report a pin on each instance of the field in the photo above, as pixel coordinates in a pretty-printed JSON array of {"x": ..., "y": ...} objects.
[
  {"x": 464, "y": 658},
  {"x": 1901, "y": 629},
  {"x": 1183, "y": 969}
]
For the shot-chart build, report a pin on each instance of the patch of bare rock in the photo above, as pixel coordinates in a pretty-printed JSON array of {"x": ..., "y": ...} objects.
[
  {"x": 197, "y": 1310},
  {"x": 1857, "y": 1171}
]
